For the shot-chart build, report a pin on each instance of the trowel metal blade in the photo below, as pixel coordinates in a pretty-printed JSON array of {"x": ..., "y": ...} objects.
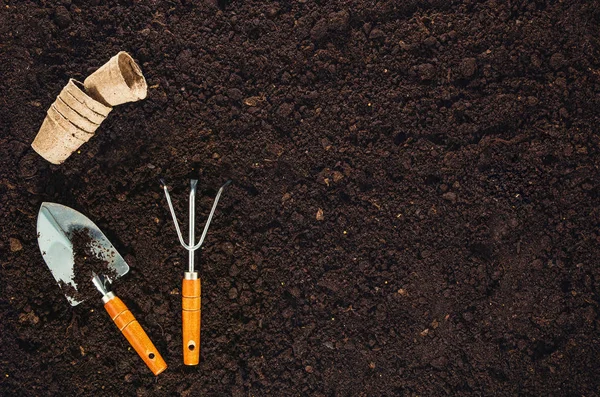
[{"x": 55, "y": 225}]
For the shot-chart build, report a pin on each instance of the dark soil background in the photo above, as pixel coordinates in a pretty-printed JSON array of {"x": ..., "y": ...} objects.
[{"x": 414, "y": 208}]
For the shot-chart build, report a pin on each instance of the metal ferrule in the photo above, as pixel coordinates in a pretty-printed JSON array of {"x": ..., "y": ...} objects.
[
  {"x": 190, "y": 275},
  {"x": 107, "y": 297}
]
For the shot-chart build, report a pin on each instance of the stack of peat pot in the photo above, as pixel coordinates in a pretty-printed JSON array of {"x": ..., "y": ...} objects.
[{"x": 80, "y": 108}]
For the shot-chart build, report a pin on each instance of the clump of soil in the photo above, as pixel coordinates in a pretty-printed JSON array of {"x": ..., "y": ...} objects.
[{"x": 87, "y": 262}]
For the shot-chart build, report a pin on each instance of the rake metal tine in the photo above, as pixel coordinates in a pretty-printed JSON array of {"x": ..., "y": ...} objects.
[
  {"x": 210, "y": 216},
  {"x": 193, "y": 214},
  {"x": 166, "y": 189}
]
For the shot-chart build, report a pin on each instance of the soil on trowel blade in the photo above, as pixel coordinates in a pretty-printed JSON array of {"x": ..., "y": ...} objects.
[
  {"x": 87, "y": 261},
  {"x": 416, "y": 207}
]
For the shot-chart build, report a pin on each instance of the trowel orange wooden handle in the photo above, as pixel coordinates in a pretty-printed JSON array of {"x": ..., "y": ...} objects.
[
  {"x": 135, "y": 334},
  {"x": 190, "y": 316}
]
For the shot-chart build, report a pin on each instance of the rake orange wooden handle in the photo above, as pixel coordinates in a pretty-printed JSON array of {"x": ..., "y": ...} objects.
[
  {"x": 135, "y": 334},
  {"x": 190, "y": 316}
]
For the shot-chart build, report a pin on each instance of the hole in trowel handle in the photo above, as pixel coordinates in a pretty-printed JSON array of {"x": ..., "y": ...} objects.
[
  {"x": 151, "y": 356},
  {"x": 191, "y": 346}
]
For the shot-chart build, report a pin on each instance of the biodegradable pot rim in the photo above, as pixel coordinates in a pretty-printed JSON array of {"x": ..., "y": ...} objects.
[
  {"x": 81, "y": 108},
  {"x": 78, "y": 91},
  {"x": 118, "y": 81},
  {"x": 132, "y": 74},
  {"x": 74, "y": 117}
]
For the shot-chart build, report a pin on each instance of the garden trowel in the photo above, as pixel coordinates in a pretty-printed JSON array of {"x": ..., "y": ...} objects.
[{"x": 55, "y": 225}]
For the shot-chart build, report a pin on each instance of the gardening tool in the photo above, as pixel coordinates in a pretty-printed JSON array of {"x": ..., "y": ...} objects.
[
  {"x": 191, "y": 289},
  {"x": 55, "y": 226}
]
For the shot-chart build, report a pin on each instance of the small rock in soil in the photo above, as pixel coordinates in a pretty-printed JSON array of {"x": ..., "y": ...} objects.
[
  {"x": 320, "y": 216},
  {"x": 274, "y": 10},
  {"x": 338, "y": 21},
  {"x": 426, "y": 71},
  {"x": 367, "y": 27},
  {"x": 227, "y": 247},
  {"x": 30, "y": 318},
  {"x": 285, "y": 110},
  {"x": 319, "y": 31},
  {"x": 450, "y": 196},
  {"x": 62, "y": 17},
  {"x": 222, "y": 339},
  {"x": 233, "y": 293},
  {"x": 253, "y": 101},
  {"x": 430, "y": 41},
  {"x": 468, "y": 67},
  {"x": 376, "y": 34},
  {"x": 335, "y": 22},
  {"x": 235, "y": 94},
  {"x": 561, "y": 82},
  {"x": 15, "y": 245},
  {"x": 404, "y": 46}
]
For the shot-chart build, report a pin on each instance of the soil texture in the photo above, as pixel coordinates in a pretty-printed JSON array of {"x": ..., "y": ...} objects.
[
  {"x": 90, "y": 259},
  {"x": 414, "y": 207}
]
